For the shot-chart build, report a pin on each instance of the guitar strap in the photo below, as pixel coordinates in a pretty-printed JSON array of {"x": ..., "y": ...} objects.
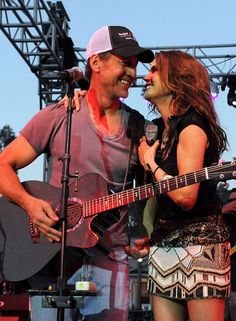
[{"x": 135, "y": 131}]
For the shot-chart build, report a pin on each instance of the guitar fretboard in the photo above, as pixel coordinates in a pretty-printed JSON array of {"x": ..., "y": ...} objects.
[
  {"x": 220, "y": 172},
  {"x": 142, "y": 192}
]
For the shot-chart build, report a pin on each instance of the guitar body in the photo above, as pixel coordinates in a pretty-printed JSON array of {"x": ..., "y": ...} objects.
[{"x": 20, "y": 257}]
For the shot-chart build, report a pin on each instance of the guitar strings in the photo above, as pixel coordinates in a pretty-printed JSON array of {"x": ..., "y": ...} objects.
[{"x": 104, "y": 203}]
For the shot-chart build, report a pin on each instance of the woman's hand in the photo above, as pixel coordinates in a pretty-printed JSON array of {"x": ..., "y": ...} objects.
[
  {"x": 147, "y": 153},
  {"x": 75, "y": 100}
]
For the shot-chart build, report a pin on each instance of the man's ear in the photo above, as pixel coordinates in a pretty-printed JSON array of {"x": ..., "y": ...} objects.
[{"x": 95, "y": 63}]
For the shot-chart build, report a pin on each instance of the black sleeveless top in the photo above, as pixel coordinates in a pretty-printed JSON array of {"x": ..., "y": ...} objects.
[{"x": 203, "y": 223}]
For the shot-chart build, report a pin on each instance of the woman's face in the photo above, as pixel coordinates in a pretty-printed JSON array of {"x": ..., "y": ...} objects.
[{"x": 155, "y": 89}]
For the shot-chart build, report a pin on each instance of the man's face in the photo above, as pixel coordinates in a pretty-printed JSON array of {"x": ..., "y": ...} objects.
[{"x": 117, "y": 74}]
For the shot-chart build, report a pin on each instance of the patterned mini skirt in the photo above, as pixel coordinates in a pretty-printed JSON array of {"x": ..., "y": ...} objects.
[{"x": 192, "y": 272}]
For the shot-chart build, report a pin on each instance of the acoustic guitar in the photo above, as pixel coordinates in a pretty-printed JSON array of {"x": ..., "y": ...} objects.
[{"x": 23, "y": 251}]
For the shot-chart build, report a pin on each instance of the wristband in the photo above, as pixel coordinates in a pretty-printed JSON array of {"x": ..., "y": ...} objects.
[{"x": 155, "y": 170}]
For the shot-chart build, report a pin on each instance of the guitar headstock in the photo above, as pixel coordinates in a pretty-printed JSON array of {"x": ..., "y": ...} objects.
[{"x": 223, "y": 171}]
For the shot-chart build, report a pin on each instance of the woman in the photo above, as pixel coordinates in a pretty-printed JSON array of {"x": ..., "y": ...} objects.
[{"x": 189, "y": 266}]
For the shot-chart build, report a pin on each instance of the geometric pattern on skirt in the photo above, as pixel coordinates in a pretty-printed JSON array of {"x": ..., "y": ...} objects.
[{"x": 196, "y": 271}]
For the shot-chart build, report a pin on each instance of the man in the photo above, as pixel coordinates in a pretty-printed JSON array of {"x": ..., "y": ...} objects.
[{"x": 100, "y": 144}]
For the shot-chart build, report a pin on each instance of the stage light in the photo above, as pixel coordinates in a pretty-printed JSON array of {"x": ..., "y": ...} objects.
[
  {"x": 231, "y": 98},
  {"x": 230, "y": 81},
  {"x": 214, "y": 89}
]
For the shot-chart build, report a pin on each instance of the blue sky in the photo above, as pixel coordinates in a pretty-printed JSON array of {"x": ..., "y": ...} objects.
[{"x": 155, "y": 23}]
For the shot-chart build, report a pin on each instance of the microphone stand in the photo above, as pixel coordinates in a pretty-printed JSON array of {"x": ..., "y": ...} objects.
[
  {"x": 61, "y": 281},
  {"x": 62, "y": 298}
]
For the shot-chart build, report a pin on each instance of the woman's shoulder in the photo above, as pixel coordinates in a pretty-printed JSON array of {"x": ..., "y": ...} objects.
[{"x": 192, "y": 117}]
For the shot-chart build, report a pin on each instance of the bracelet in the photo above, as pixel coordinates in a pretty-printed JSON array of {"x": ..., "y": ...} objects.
[
  {"x": 155, "y": 170},
  {"x": 150, "y": 170}
]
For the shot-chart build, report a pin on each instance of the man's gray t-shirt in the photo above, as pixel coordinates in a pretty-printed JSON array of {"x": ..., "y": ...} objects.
[{"x": 91, "y": 151}]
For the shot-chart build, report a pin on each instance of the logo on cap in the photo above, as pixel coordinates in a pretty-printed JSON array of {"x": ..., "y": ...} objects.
[{"x": 127, "y": 35}]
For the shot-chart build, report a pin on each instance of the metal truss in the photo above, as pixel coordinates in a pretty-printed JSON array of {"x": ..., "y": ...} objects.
[
  {"x": 220, "y": 60},
  {"x": 38, "y": 30}
]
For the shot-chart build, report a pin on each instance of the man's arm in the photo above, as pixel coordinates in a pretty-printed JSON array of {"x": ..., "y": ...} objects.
[{"x": 18, "y": 154}]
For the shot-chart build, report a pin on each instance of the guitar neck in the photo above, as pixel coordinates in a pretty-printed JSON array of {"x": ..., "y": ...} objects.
[
  {"x": 112, "y": 201},
  {"x": 223, "y": 171}
]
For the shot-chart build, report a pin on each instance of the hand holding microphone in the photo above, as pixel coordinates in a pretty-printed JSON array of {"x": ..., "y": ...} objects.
[
  {"x": 151, "y": 134},
  {"x": 147, "y": 152}
]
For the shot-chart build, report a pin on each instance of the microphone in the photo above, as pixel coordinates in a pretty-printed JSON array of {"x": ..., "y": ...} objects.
[
  {"x": 74, "y": 74},
  {"x": 151, "y": 134}
]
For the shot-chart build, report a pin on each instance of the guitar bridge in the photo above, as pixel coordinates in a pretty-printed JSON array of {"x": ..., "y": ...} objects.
[{"x": 34, "y": 233}]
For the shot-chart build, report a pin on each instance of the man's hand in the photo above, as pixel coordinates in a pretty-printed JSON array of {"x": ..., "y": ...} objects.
[
  {"x": 140, "y": 249},
  {"x": 43, "y": 218}
]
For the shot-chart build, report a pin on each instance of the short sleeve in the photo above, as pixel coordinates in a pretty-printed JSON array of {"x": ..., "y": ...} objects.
[
  {"x": 39, "y": 130},
  {"x": 193, "y": 118}
]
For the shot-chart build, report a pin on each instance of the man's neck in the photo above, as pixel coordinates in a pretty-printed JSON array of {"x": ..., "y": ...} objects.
[
  {"x": 101, "y": 102},
  {"x": 104, "y": 112}
]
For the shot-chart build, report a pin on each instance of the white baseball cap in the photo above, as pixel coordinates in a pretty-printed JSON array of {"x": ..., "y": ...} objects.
[{"x": 118, "y": 40}]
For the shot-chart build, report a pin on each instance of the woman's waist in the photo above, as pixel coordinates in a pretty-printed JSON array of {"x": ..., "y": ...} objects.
[
  {"x": 199, "y": 230},
  {"x": 175, "y": 222}
]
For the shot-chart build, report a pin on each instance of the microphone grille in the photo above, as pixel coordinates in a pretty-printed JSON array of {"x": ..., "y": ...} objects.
[{"x": 151, "y": 134}]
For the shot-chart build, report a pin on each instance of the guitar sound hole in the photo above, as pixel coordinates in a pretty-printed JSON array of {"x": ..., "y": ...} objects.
[{"x": 74, "y": 212}]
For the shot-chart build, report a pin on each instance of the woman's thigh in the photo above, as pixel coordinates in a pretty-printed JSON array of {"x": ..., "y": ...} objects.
[
  {"x": 206, "y": 309},
  {"x": 168, "y": 310}
]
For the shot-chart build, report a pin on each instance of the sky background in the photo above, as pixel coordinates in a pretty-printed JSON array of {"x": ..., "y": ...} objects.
[{"x": 154, "y": 23}]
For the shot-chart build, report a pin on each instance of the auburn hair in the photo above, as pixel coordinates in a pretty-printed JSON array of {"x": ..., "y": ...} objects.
[{"x": 189, "y": 83}]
